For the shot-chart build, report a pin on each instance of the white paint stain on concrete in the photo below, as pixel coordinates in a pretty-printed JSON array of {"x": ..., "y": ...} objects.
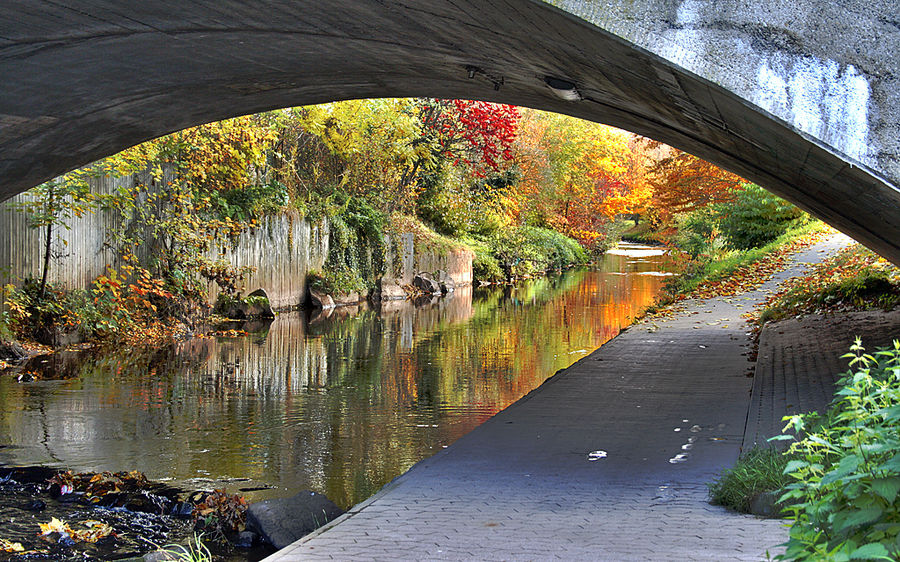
[
  {"x": 689, "y": 12},
  {"x": 773, "y": 91},
  {"x": 818, "y": 97}
]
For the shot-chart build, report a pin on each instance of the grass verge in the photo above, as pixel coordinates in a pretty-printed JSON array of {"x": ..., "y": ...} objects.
[
  {"x": 757, "y": 471},
  {"x": 854, "y": 279},
  {"x": 698, "y": 274},
  {"x": 736, "y": 272}
]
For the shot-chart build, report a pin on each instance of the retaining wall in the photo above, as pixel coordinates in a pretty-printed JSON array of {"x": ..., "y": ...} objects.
[
  {"x": 405, "y": 258},
  {"x": 281, "y": 251}
]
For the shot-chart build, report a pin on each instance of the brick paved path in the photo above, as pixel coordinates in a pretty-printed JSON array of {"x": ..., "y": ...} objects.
[{"x": 666, "y": 402}]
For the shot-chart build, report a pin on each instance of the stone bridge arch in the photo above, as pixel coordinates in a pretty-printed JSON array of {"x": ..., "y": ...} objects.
[{"x": 800, "y": 96}]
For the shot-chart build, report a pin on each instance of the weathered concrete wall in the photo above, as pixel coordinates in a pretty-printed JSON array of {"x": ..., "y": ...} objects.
[
  {"x": 281, "y": 250},
  {"x": 81, "y": 253},
  {"x": 457, "y": 263},
  {"x": 405, "y": 258},
  {"x": 827, "y": 68}
]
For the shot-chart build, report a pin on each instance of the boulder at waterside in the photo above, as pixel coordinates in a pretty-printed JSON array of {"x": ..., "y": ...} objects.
[
  {"x": 390, "y": 290},
  {"x": 446, "y": 282},
  {"x": 282, "y": 521},
  {"x": 426, "y": 284},
  {"x": 320, "y": 299}
]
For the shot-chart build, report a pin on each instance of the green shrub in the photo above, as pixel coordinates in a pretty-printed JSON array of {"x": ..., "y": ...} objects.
[
  {"x": 525, "y": 250},
  {"x": 698, "y": 234},
  {"x": 340, "y": 282},
  {"x": 250, "y": 202},
  {"x": 455, "y": 203},
  {"x": 528, "y": 250},
  {"x": 33, "y": 315},
  {"x": 485, "y": 267},
  {"x": 756, "y": 217},
  {"x": 356, "y": 248},
  {"x": 847, "y": 472}
]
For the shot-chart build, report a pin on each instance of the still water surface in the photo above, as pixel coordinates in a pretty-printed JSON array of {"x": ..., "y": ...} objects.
[{"x": 339, "y": 404}]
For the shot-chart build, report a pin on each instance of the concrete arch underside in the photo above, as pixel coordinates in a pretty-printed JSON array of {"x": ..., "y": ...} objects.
[{"x": 87, "y": 79}]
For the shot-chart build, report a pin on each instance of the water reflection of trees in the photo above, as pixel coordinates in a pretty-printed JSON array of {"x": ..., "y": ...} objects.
[{"x": 340, "y": 403}]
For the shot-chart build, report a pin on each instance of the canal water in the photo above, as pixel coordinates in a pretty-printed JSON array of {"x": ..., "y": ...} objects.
[{"x": 338, "y": 403}]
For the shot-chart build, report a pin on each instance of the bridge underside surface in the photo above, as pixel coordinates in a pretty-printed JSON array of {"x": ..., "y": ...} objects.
[{"x": 85, "y": 80}]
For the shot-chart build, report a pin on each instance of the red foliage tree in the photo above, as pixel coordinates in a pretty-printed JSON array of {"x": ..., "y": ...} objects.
[{"x": 476, "y": 134}]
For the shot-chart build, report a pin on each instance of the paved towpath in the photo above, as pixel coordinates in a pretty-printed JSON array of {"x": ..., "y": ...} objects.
[{"x": 667, "y": 405}]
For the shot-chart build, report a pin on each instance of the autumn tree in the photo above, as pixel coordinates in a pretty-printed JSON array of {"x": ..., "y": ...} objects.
[
  {"x": 462, "y": 184},
  {"x": 362, "y": 148},
  {"x": 193, "y": 198},
  {"x": 682, "y": 182},
  {"x": 637, "y": 197},
  {"x": 51, "y": 206},
  {"x": 577, "y": 175},
  {"x": 474, "y": 134},
  {"x": 423, "y": 156}
]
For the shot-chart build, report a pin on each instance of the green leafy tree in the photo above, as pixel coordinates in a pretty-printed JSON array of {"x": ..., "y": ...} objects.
[
  {"x": 52, "y": 205},
  {"x": 755, "y": 217}
]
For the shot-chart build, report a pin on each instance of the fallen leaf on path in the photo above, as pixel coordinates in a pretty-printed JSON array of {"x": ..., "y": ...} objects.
[
  {"x": 54, "y": 526},
  {"x": 9, "y": 546}
]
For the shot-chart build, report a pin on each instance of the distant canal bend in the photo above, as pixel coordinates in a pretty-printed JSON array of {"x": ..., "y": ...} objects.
[{"x": 340, "y": 404}]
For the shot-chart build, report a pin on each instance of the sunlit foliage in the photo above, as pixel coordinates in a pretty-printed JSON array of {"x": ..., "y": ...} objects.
[{"x": 518, "y": 186}]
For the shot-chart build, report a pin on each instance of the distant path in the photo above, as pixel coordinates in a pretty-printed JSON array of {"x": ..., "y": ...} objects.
[{"x": 667, "y": 405}]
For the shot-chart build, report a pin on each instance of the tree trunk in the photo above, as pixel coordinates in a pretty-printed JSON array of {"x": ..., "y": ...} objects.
[
  {"x": 405, "y": 180},
  {"x": 46, "y": 269}
]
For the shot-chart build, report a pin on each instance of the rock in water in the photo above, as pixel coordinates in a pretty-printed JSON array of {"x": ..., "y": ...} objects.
[
  {"x": 390, "y": 290},
  {"x": 320, "y": 299},
  {"x": 246, "y": 539},
  {"x": 426, "y": 284},
  {"x": 35, "y": 505},
  {"x": 283, "y": 521},
  {"x": 448, "y": 285}
]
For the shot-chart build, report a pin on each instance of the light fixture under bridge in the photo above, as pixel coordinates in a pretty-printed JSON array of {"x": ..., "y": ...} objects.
[{"x": 563, "y": 89}]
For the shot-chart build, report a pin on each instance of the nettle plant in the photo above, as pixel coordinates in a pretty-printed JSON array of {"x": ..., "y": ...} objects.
[{"x": 844, "y": 500}]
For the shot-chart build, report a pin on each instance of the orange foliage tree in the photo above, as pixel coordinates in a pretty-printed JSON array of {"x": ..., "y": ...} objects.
[
  {"x": 638, "y": 195},
  {"x": 682, "y": 182},
  {"x": 577, "y": 176}
]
